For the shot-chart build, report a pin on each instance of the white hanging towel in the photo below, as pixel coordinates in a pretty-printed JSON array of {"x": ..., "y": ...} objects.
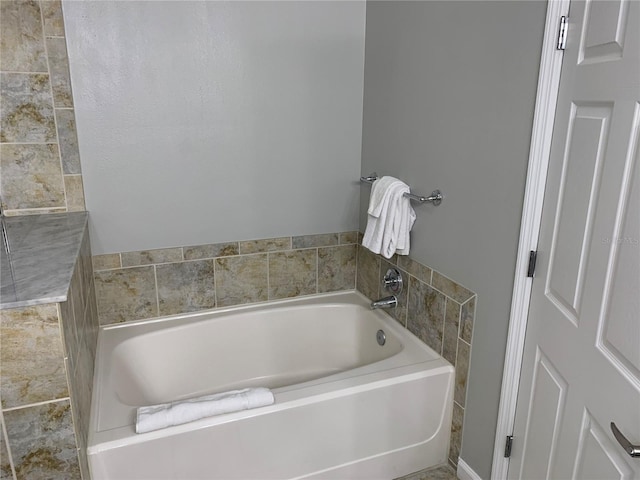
[
  {"x": 390, "y": 218},
  {"x": 165, "y": 415}
]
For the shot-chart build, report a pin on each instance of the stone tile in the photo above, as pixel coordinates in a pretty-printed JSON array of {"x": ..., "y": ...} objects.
[
  {"x": 149, "y": 257},
  {"x": 292, "y": 274},
  {"x": 126, "y": 294},
  {"x": 22, "y": 42},
  {"x": 69, "y": 331},
  {"x": 400, "y": 312},
  {"x": 368, "y": 278},
  {"x": 68, "y": 140},
  {"x": 441, "y": 472},
  {"x": 5, "y": 464},
  {"x": 27, "y": 108},
  {"x": 185, "y": 286},
  {"x": 345, "y": 238},
  {"x": 74, "y": 192},
  {"x": 42, "y": 442},
  {"x": 241, "y": 279},
  {"x": 310, "y": 241},
  {"x": 466, "y": 320},
  {"x": 31, "y": 176},
  {"x": 450, "y": 288},
  {"x": 425, "y": 315},
  {"x": 106, "y": 261},
  {"x": 265, "y": 245},
  {"x": 52, "y": 16},
  {"x": 31, "y": 355},
  {"x": 86, "y": 266},
  {"x": 451, "y": 327},
  {"x": 337, "y": 268},
  {"x": 59, "y": 71},
  {"x": 418, "y": 270},
  {"x": 456, "y": 433},
  {"x": 462, "y": 371},
  {"x": 212, "y": 250},
  {"x": 82, "y": 387}
]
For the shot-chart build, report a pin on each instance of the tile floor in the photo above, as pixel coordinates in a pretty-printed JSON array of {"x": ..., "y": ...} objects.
[{"x": 442, "y": 472}]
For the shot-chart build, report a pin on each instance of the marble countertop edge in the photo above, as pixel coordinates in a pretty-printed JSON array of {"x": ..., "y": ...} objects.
[{"x": 44, "y": 252}]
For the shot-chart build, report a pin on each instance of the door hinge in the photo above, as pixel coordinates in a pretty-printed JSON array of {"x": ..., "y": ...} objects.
[
  {"x": 507, "y": 446},
  {"x": 562, "y": 33},
  {"x": 533, "y": 255}
]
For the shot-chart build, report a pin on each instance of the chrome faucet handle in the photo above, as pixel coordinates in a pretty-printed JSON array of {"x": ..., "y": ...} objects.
[{"x": 392, "y": 281}]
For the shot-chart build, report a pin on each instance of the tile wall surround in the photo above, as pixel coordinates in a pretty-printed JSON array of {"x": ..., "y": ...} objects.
[
  {"x": 39, "y": 159},
  {"x": 437, "y": 310},
  {"x": 147, "y": 284},
  {"x": 47, "y": 354}
]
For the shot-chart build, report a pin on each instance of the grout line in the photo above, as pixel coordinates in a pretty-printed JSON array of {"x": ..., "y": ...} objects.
[
  {"x": 155, "y": 277},
  {"x": 215, "y": 284},
  {"x": 37, "y": 404}
]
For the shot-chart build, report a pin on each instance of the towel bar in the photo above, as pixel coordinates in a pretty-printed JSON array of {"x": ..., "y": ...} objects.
[{"x": 435, "y": 197}]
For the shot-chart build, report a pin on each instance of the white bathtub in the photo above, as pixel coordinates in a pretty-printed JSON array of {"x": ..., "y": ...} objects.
[{"x": 345, "y": 407}]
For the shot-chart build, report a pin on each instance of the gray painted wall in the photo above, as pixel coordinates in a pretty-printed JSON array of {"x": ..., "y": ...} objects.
[
  {"x": 204, "y": 122},
  {"x": 449, "y": 98}
]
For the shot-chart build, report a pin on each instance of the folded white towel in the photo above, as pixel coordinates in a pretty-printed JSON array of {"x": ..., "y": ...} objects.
[
  {"x": 165, "y": 415},
  {"x": 390, "y": 218}
]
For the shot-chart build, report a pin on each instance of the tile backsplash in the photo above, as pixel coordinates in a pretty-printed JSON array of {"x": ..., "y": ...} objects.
[
  {"x": 39, "y": 160},
  {"x": 147, "y": 284},
  {"x": 437, "y": 310}
]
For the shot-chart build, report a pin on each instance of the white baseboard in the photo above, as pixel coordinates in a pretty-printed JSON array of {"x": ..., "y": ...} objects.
[{"x": 465, "y": 472}]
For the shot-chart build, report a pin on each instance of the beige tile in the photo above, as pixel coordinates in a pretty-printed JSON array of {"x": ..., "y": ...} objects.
[
  {"x": 5, "y": 464},
  {"x": 337, "y": 268},
  {"x": 68, "y": 140},
  {"x": 106, "y": 261},
  {"x": 368, "y": 278},
  {"x": 31, "y": 176},
  {"x": 126, "y": 294},
  {"x": 149, "y": 257},
  {"x": 310, "y": 241},
  {"x": 241, "y": 279},
  {"x": 347, "y": 238},
  {"x": 265, "y": 245},
  {"x": 450, "y": 288},
  {"x": 27, "y": 108},
  {"x": 52, "y": 16},
  {"x": 466, "y": 320},
  {"x": 74, "y": 192},
  {"x": 185, "y": 286},
  {"x": 451, "y": 327},
  {"x": 425, "y": 315},
  {"x": 21, "y": 41},
  {"x": 418, "y": 270},
  {"x": 42, "y": 442},
  {"x": 292, "y": 274},
  {"x": 31, "y": 355},
  {"x": 462, "y": 371},
  {"x": 441, "y": 472},
  {"x": 59, "y": 71},
  {"x": 456, "y": 433},
  {"x": 212, "y": 250}
]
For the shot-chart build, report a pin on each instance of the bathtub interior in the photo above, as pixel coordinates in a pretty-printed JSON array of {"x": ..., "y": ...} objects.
[{"x": 286, "y": 345}]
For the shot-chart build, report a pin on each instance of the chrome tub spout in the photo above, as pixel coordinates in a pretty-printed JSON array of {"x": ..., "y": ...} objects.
[{"x": 386, "y": 302}]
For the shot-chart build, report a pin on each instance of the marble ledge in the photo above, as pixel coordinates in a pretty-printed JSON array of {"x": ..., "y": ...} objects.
[{"x": 38, "y": 265}]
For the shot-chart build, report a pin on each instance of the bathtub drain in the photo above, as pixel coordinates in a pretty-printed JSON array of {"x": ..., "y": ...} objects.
[{"x": 381, "y": 337}]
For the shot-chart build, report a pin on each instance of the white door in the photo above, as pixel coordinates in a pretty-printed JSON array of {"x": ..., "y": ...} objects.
[{"x": 581, "y": 364}]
